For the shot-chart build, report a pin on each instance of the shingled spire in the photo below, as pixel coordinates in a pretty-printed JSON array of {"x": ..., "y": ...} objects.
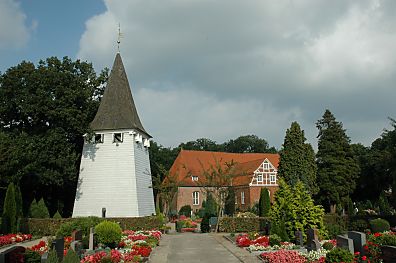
[{"x": 117, "y": 109}]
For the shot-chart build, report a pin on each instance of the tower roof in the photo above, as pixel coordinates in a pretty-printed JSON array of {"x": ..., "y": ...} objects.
[{"x": 117, "y": 109}]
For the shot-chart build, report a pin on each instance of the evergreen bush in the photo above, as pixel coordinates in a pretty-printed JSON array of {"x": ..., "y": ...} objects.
[
  {"x": 384, "y": 206},
  {"x": 57, "y": 215},
  {"x": 205, "y": 227},
  {"x": 185, "y": 210},
  {"x": 38, "y": 209},
  {"x": 264, "y": 203},
  {"x": 275, "y": 240},
  {"x": 71, "y": 257},
  {"x": 210, "y": 205},
  {"x": 295, "y": 207},
  {"x": 9, "y": 218},
  {"x": 81, "y": 223},
  {"x": 379, "y": 225},
  {"x": 339, "y": 255},
  {"x": 359, "y": 225},
  {"x": 229, "y": 206},
  {"x": 108, "y": 233}
]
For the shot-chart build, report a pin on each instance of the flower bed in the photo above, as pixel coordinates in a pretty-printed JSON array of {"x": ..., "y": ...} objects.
[{"x": 14, "y": 238}]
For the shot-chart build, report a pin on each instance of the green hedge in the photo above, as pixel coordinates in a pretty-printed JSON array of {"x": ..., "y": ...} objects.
[
  {"x": 49, "y": 226},
  {"x": 240, "y": 224}
]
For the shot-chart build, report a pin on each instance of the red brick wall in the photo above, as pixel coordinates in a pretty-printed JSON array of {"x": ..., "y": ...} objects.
[{"x": 185, "y": 197}]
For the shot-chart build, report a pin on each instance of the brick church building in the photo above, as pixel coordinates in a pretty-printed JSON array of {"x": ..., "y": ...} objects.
[{"x": 253, "y": 171}]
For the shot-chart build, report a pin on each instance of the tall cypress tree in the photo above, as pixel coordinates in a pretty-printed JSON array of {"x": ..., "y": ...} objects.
[
  {"x": 338, "y": 169},
  {"x": 297, "y": 159},
  {"x": 229, "y": 207},
  {"x": 9, "y": 223}
]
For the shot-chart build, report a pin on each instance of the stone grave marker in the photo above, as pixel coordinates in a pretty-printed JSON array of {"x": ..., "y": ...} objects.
[
  {"x": 12, "y": 254},
  {"x": 315, "y": 245},
  {"x": 91, "y": 238},
  {"x": 299, "y": 238},
  {"x": 267, "y": 228},
  {"x": 59, "y": 246},
  {"x": 345, "y": 242},
  {"x": 76, "y": 235},
  {"x": 359, "y": 240},
  {"x": 78, "y": 247},
  {"x": 388, "y": 254},
  {"x": 44, "y": 257},
  {"x": 312, "y": 234}
]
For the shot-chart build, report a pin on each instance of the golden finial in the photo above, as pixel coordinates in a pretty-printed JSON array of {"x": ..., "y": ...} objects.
[{"x": 120, "y": 35}]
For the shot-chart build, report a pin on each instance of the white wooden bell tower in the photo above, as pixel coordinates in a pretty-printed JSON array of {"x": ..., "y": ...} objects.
[{"x": 115, "y": 171}]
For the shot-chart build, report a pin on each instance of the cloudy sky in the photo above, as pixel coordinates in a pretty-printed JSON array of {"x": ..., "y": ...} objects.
[{"x": 225, "y": 68}]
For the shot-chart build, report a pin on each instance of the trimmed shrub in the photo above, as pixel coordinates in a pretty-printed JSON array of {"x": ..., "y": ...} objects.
[
  {"x": 38, "y": 209},
  {"x": 71, "y": 257},
  {"x": 210, "y": 205},
  {"x": 57, "y": 215},
  {"x": 205, "y": 227},
  {"x": 264, "y": 203},
  {"x": 108, "y": 233},
  {"x": 379, "y": 225},
  {"x": 328, "y": 245},
  {"x": 339, "y": 255},
  {"x": 81, "y": 223},
  {"x": 241, "y": 224},
  {"x": 359, "y": 225},
  {"x": 9, "y": 218},
  {"x": 185, "y": 210}
]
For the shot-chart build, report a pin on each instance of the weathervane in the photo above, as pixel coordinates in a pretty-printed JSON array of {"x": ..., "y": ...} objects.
[{"x": 119, "y": 37}]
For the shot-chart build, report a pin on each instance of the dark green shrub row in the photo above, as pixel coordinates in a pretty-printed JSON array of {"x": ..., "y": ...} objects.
[
  {"x": 240, "y": 224},
  {"x": 379, "y": 225},
  {"x": 50, "y": 226}
]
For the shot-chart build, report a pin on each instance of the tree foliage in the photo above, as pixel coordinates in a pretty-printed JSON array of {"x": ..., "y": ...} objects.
[
  {"x": 229, "y": 206},
  {"x": 295, "y": 207},
  {"x": 44, "y": 111},
  {"x": 248, "y": 144},
  {"x": 297, "y": 159},
  {"x": 338, "y": 168}
]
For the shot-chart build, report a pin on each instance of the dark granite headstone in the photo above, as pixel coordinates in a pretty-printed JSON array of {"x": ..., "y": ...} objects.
[
  {"x": 315, "y": 245},
  {"x": 59, "y": 246},
  {"x": 344, "y": 242},
  {"x": 267, "y": 228},
  {"x": 359, "y": 240},
  {"x": 76, "y": 235},
  {"x": 12, "y": 255},
  {"x": 312, "y": 234},
  {"x": 388, "y": 254},
  {"x": 299, "y": 238}
]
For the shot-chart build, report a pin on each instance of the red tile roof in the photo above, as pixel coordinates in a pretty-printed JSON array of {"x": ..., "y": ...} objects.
[{"x": 193, "y": 163}]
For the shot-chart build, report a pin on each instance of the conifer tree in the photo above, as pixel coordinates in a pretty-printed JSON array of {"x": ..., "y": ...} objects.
[
  {"x": 264, "y": 203},
  {"x": 297, "y": 159},
  {"x": 39, "y": 209},
  {"x": 8, "y": 223},
  {"x": 19, "y": 206},
  {"x": 229, "y": 206},
  {"x": 338, "y": 168}
]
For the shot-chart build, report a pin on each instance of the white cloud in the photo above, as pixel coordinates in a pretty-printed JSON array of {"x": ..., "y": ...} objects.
[
  {"x": 13, "y": 31},
  {"x": 219, "y": 69}
]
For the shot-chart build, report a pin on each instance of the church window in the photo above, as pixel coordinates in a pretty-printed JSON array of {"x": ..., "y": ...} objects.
[
  {"x": 272, "y": 178},
  {"x": 196, "y": 198},
  {"x": 117, "y": 137},
  {"x": 259, "y": 178},
  {"x": 195, "y": 178},
  {"x": 99, "y": 138},
  {"x": 242, "y": 198}
]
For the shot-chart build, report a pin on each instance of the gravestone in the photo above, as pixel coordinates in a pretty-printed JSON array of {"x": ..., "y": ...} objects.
[
  {"x": 359, "y": 240},
  {"x": 388, "y": 254},
  {"x": 76, "y": 235},
  {"x": 267, "y": 228},
  {"x": 312, "y": 235},
  {"x": 59, "y": 246},
  {"x": 212, "y": 223},
  {"x": 344, "y": 242},
  {"x": 78, "y": 247},
  {"x": 315, "y": 245},
  {"x": 91, "y": 238},
  {"x": 13, "y": 254},
  {"x": 299, "y": 238}
]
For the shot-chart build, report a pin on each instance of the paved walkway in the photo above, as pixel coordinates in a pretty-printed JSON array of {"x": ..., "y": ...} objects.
[{"x": 194, "y": 247}]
